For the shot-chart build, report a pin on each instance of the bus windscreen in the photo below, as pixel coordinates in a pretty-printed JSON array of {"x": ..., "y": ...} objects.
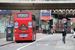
[{"x": 23, "y": 15}]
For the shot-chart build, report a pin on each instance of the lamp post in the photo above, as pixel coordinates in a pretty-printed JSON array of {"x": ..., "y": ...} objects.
[{"x": 10, "y": 18}]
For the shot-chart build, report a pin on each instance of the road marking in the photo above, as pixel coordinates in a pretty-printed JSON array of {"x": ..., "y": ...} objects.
[{"x": 33, "y": 42}]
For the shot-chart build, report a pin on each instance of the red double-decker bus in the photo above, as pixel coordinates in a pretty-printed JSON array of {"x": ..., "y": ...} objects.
[{"x": 24, "y": 26}]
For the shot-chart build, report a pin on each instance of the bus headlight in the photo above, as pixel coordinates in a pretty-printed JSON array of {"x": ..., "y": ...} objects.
[{"x": 14, "y": 30}]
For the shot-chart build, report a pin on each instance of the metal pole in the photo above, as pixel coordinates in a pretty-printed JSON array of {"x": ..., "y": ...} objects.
[
  {"x": 20, "y": 10},
  {"x": 39, "y": 24},
  {"x": 10, "y": 19},
  {"x": 58, "y": 22}
]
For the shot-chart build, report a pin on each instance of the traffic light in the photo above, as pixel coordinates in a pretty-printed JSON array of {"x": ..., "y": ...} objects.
[{"x": 50, "y": 23}]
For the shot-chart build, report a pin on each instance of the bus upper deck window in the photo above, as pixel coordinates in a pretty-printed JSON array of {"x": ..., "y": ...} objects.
[{"x": 23, "y": 15}]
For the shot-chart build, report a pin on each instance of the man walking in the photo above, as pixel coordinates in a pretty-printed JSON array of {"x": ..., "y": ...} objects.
[
  {"x": 64, "y": 35},
  {"x": 43, "y": 31}
]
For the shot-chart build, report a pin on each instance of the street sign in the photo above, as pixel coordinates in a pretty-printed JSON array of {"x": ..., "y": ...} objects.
[
  {"x": 5, "y": 11},
  {"x": 64, "y": 20},
  {"x": 63, "y": 24},
  {"x": 71, "y": 22}
]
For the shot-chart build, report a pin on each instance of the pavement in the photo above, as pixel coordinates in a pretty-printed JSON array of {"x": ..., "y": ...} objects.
[
  {"x": 4, "y": 42},
  {"x": 69, "y": 45},
  {"x": 43, "y": 42}
]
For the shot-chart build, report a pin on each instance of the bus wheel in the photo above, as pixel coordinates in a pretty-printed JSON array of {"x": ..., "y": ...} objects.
[
  {"x": 16, "y": 41},
  {"x": 34, "y": 38}
]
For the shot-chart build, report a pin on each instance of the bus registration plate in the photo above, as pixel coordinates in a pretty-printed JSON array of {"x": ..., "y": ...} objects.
[
  {"x": 23, "y": 35},
  {"x": 23, "y": 28}
]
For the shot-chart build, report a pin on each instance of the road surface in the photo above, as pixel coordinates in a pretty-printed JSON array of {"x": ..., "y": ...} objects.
[{"x": 43, "y": 42}]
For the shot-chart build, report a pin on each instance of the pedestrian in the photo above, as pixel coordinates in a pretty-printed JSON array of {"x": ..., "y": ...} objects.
[
  {"x": 49, "y": 31},
  {"x": 74, "y": 32},
  {"x": 63, "y": 35},
  {"x": 43, "y": 31},
  {"x": 52, "y": 31},
  {"x": 66, "y": 31}
]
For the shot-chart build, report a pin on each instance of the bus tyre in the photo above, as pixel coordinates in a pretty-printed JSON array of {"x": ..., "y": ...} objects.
[
  {"x": 16, "y": 41},
  {"x": 34, "y": 38}
]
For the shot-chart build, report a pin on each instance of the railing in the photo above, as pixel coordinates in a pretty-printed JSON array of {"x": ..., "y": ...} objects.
[
  {"x": 37, "y": 1},
  {"x": 44, "y": 0}
]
